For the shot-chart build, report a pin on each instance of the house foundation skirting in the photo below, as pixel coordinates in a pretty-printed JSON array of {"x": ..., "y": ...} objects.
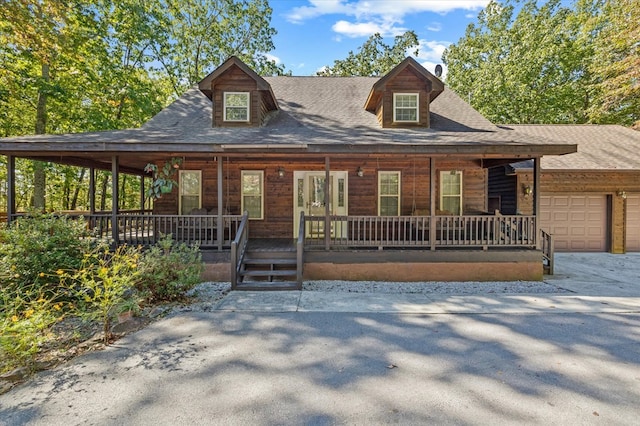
[{"x": 407, "y": 265}]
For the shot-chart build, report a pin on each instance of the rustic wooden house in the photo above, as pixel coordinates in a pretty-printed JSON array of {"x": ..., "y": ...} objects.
[
  {"x": 590, "y": 199},
  {"x": 321, "y": 178}
]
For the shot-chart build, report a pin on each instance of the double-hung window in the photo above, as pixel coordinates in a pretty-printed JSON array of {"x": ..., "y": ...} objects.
[
  {"x": 253, "y": 193},
  {"x": 190, "y": 190},
  {"x": 405, "y": 107},
  {"x": 388, "y": 193},
  {"x": 236, "y": 106},
  {"x": 451, "y": 192}
]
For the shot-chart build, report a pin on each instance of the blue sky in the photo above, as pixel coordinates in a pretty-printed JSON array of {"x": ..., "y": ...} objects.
[{"x": 314, "y": 33}]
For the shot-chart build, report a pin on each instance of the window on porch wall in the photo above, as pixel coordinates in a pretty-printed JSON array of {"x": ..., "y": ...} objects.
[
  {"x": 252, "y": 193},
  {"x": 388, "y": 193},
  {"x": 190, "y": 191},
  {"x": 451, "y": 192}
]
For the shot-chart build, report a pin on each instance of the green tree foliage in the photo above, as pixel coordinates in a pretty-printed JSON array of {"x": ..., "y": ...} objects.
[
  {"x": 374, "y": 57},
  {"x": 80, "y": 65},
  {"x": 522, "y": 68},
  {"x": 550, "y": 63},
  {"x": 616, "y": 63}
]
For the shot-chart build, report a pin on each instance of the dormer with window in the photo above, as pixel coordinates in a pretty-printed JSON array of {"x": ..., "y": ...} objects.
[
  {"x": 240, "y": 97},
  {"x": 401, "y": 98}
]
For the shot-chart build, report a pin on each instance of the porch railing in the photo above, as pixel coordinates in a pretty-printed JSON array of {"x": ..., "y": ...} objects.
[
  {"x": 481, "y": 231},
  {"x": 239, "y": 248},
  {"x": 147, "y": 229},
  {"x": 300, "y": 251},
  {"x": 546, "y": 244}
]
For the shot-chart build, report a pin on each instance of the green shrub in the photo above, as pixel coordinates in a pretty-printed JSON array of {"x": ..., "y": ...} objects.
[
  {"x": 168, "y": 270},
  {"x": 103, "y": 282},
  {"x": 34, "y": 248},
  {"x": 24, "y": 328}
]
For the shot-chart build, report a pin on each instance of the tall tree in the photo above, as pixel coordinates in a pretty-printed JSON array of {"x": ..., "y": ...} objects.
[
  {"x": 195, "y": 36},
  {"x": 617, "y": 63},
  {"x": 374, "y": 57},
  {"x": 524, "y": 68}
]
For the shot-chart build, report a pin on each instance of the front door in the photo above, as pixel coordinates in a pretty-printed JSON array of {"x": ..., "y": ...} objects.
[{"x": 309, "y": 188}]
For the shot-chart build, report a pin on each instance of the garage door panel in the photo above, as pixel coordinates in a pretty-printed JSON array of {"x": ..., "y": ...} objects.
[
  {"x": 577, "y": 222},
  {"x": 633, "y": 223}
]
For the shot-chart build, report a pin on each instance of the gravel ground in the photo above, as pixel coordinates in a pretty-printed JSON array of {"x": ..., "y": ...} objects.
[{"x": 206, "y": 296}]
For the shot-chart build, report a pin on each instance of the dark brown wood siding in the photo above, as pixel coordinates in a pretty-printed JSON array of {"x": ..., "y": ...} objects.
[
  {"x": 407, "y": 81},
  {"x": 503, "y": 186},
  {"x": 362, "y": 191},
  {"x": 235, "y": 80}
]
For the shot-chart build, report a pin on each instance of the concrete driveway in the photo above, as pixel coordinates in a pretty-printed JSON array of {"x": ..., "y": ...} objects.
[{"x": 536, "y": 365}]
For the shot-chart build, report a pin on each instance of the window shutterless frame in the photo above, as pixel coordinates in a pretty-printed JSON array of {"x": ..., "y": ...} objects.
[
  {"x": 389, "y": 193},
  {"x": 451, "y": 191},
  {"x": 236, "y": 106},
  {"x": 253, "y": 193},
  {"x": 190, "y": 190},
  {"x": 406, "y": 107}
]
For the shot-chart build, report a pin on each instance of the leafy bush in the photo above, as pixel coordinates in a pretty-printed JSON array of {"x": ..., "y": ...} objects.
[
  {"x": 104, "y": 281},
  {"x": 169, "y": 269},
  {"x": 24, "y": 328},
  {"x": 33, "y": 248}
]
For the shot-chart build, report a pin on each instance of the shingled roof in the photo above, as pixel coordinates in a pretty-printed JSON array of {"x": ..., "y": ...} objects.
[
  {"x": 600, "y": 147},
  {"x": 318, "y": 114}
]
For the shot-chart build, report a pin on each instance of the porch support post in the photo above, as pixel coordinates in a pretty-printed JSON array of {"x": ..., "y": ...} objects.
[
  {"x": 327, "y": 201},
  {"x": 115, "y": 202},
  {"x": 92, "y": 190},
  {"x": 142, "y": 193},
  {"x": 432, "y": 203},
  {"x": 11, "y": 188},
  {"x": 220, "y": 222},
  {"x": 536, "y": 199}
]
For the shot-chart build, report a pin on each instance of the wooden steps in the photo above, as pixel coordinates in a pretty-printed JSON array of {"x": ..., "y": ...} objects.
[{"x": 268, "y": 270}]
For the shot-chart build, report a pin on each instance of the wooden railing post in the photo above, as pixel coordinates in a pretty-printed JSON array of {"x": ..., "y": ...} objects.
[{"x": 300, "y": 252}]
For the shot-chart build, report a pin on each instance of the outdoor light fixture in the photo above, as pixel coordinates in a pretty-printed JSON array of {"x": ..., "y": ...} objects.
[
  {"x": 280, "y": 172},
  {"x": 527, "y": 190},
  {"x": 360, "y": 172},
  {"x": 622, "y": 194}
]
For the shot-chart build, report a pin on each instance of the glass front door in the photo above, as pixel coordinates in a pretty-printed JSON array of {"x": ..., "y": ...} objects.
[{"x": 310, "y": 197}]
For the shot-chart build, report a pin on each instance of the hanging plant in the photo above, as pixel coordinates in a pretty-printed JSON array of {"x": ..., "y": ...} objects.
[{"x": 163, "y": 178}]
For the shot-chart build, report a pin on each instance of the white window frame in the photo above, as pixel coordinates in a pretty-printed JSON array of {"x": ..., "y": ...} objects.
[
  {"x": 395, "y": 107},
  {"x": 381, "y": 195},
  {"x": 261, "y": 195},
  {"x": 247, "y": 107},
  {"x": 443, "y": 195},
  {"x": 181, "y": 188}
]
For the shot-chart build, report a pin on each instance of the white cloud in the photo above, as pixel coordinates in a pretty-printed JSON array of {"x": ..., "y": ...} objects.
[
  {"x": 379, "y": 11},
  {"x": 431, "y": 50},
  {"x": 431, "y": 67},
  {"x": 366, "y": 29},
  {"x": 273, "y": 58},
  {"x": 435, "y": 27}
]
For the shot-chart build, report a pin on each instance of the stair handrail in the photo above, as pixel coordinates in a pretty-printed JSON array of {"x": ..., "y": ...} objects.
[
  {"x": 239, "y": 248},
  {"x": 300, "y": 251},
  {"x": 547, "y": 249}
]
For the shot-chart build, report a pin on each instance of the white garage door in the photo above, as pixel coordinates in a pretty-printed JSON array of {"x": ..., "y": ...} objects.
[
  {"x": 577, "y": 222},
  {"x": 633, "y": 223}
]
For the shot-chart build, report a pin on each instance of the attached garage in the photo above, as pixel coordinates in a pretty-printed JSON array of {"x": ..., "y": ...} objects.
[
  {"x": 632, "y": 235},
  {"x": 577, "y": 222}
]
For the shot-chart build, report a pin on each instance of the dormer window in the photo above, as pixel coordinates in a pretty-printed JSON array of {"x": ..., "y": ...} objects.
[
  {"x": 405, "y": 107},
  {"x": 236, "y": 106}
]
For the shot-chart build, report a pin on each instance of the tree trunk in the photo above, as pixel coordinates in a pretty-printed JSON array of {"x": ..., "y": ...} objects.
[
  {"x": 76, "y": 192},
  {"x": 39, "y": 176},
  {"x": 104, "y": 183}
]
